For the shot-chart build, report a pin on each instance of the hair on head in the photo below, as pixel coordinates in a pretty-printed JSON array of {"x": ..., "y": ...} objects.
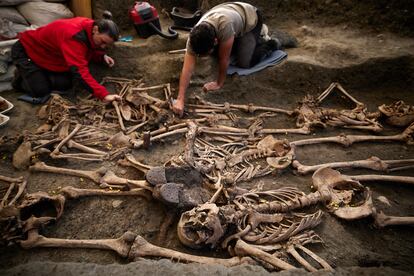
[
  {"x": 107, "y": 26},
  {"x": 202, "y": 38}
]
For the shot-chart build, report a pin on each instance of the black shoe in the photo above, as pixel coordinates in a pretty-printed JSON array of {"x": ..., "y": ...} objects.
[
  {"x": 273, "y": 45},
  {"x": 286, "y": 40},
  {"x": 185, "y": 174}
]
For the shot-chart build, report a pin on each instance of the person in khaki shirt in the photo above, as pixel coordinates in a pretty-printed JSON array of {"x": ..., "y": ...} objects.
[{"x": 230, "y": 28}]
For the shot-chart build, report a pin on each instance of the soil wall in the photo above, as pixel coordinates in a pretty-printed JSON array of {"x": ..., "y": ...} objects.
[{"x": 382, "y": 15}]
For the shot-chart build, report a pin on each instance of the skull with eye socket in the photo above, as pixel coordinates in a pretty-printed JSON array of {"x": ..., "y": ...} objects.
[{"x": 203, "y": 226}]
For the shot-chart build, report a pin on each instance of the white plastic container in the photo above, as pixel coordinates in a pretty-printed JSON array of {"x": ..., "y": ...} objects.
[
  {"x": 3, "y": 119},
  {"x": 7, "y": 105}
]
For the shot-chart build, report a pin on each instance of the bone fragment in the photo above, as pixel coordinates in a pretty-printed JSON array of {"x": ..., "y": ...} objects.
[
  {"x": 139, "y": 143},
  {"x": 22, "y": 157},
  {"x": 134, "y": 128},
  {"x": 55, "y": 152},
  {"x": 20, "y": 190},
  {"x": 189, "y": 144},
  {"x": 321, "y": 261},
  {"x": 118, "y": 113},
  {"x": 333, "y": 85},
  {"x": 292, "y": 251},
  {"x": 155, "y": 87},
  {"x": 76, "y": 145}
]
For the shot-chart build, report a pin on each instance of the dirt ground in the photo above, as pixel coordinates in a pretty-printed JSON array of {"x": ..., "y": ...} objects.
[{"x": 372, "y": 59}]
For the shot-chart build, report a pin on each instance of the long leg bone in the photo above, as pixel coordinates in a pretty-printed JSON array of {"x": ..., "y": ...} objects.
[
  {"x": 382, "y": 220},
  {"x": 348, "y": 140},
  {"x": 95, "y": 176},
  {"x": 246, "y": 108},
  {"x": 142, "y": 248},
  {"x": 121, "y": 245},
  {"x": 373, "y": 163},
  {"x": 390, "y": 178},
  {"x": 73, "y": 193}
]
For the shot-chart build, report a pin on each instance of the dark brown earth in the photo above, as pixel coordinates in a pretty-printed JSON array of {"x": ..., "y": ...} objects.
[{"x": 367, "y": 46}]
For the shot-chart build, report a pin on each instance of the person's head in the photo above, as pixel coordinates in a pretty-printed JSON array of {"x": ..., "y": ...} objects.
[
  {"x": 105, "y": 31},
  {"x": 203, "y": 39}
]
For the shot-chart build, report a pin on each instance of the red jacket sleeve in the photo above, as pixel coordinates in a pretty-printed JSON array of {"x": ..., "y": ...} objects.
[
  {"x": 97, "y": 56},
  {"x": 75, "y": 54}
]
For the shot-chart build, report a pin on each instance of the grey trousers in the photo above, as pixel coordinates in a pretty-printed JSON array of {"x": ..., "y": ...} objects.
[{"x": 244, "y": 47}]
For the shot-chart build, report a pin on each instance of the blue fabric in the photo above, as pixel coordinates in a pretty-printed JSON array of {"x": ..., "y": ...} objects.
[
  {"x": 32, "y": 100},
  {"x": 275, "y": 58}
]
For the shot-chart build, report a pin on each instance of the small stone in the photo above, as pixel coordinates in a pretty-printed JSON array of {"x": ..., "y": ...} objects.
[
  {"x": 122, "y": 172},
  {"x": 116, "y": 203},
  {"x": 306, "y": 30},
  {"x": 384, "y": 200}
]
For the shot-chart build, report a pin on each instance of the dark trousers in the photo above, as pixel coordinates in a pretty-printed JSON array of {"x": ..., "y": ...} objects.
[
  {"x": 245, "y": 46},
  {"x": 34, "y": 80}
]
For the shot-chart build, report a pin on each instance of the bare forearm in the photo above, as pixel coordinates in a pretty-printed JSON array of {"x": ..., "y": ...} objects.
[
  {"x": 182, "y": 88},
  {"x": 187, "y": 71},
  {"x": 224, "y": 59},
  {"x": 224, "y": 63}
]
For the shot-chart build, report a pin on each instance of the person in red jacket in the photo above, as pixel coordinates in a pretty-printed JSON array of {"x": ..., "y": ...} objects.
[{"x": 56, "y": 55}]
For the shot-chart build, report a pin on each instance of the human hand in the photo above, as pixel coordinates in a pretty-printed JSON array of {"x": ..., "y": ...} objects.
[
  {"x": 211, "y": 86},
  {"x": 112, "y": 97},
  {"x": 108, "y": 60},
  {"x": 178, "y": 107}
]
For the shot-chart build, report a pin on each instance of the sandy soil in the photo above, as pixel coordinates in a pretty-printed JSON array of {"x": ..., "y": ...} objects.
[{"x": 376, "y": 67}]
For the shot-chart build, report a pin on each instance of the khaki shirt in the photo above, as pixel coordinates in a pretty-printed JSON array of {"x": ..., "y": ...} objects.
[{"x": 229, "y": 19}]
